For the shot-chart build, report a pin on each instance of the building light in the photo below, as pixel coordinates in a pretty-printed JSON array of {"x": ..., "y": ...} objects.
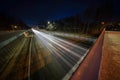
[{"x": 102, "y": 22}]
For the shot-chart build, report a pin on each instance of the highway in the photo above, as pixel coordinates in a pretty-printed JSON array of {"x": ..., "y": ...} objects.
[{"x": 41, "y": 57}]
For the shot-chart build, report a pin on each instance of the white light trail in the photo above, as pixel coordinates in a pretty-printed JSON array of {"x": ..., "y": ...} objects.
[{"x": 58, "y": 47}]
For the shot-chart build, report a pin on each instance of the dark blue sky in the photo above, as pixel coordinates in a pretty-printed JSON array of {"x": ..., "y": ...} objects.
[{"x": 34, "y": 11}]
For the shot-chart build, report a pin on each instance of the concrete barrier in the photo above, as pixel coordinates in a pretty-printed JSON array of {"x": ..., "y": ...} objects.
[
  {"x": 2, "y": 44},
  {"x": 90, "y": 66}
]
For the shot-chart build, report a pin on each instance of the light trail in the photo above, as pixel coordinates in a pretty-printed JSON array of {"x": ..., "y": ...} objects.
[
  {"x": 60, "y": 43},
  {"x": 65, "y": 51},
  {"x": 57, "y": 40},
  {"x": 72, "y": 35}
]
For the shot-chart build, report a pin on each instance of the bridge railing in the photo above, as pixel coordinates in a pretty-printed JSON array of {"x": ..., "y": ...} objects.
[{"x": 90, "y": 66}]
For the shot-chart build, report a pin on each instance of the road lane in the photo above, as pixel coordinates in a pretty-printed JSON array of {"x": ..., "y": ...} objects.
[
  {"x": 63, "y": 55},
  {"x": 10, "y": 61},
  {"x": 48, "y": 58}
]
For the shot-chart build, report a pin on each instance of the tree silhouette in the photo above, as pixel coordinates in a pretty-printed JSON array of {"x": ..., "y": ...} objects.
[
  {"x": 88, "y": 17},
  {"x": 7, "y": 22}
]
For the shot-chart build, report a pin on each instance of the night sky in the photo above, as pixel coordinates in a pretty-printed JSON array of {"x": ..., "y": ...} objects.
[{"x": 36, "y": 11}]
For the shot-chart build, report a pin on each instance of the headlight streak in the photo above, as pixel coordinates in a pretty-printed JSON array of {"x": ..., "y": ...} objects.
[
  {"x": 54, "y": 51},
  {"x": 63, "y": 56},
  {"x": 63, "y": 53},
  {"x": 70, "y": 35},
  {"x": 60, "y": 40},
  {"x": 48, "y": 37},
  {"x": 58, "y": 47}
]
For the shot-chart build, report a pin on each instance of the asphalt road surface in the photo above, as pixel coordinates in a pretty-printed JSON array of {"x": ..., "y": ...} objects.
[{"x": 41, "y": 57}]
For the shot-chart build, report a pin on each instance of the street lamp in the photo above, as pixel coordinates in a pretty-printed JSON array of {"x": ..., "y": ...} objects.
[
  {"x": 15, "y": 27},
  {"x": 48, "y": 22}
]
